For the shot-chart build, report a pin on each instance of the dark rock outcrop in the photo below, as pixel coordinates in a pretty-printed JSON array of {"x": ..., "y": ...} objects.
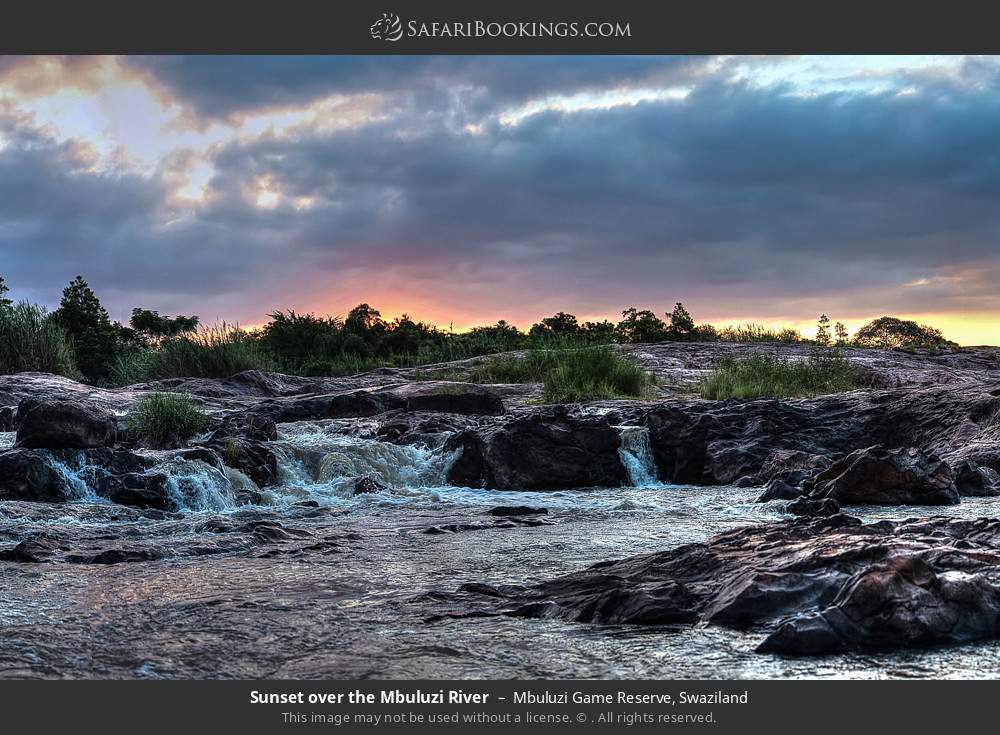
[
  {"x": 36, "y": 475},
  {"x": 62, "y": 423},
  {"x": 811, "y": 586},
  {"x": 812, "y": 507},
  {"x": 975, "y": 481},
  {"x": 549, "y": 449},
  {"x": 516, "y": 510},
  {"x": 778, "y": 489},
  {"x": 880, "y": 476}
]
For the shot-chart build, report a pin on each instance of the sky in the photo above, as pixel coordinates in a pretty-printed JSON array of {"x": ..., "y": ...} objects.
[{"x": 462, "y": 190}]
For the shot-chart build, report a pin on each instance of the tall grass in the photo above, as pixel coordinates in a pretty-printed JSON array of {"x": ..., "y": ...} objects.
[
  {"x": 766, "y": 376},
  {"x": 211, "y": 352},
  {"x": 165, "y": 419},
  {"x": 31, "y": 341},
  {"x": 570, "y": 375}
]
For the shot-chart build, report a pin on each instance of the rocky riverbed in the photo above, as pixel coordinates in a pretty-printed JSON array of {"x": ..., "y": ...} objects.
[{"x": 395, "y": 524}]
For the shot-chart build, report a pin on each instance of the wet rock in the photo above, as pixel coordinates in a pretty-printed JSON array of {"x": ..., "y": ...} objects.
[
  {"x": 778, "y": 489},
  {"x": 253, "y": 457},
  {"x": 516, "y": 510},
  {"x": 549, "y": 449},
  {"x": 975, "y": 481},
  {"x": 35, "y": 550},
  {"x": 139, "y": 491},
  {"x": 36, "y": 475},
  {"x": 364, "y": 485},
  {"x": 745, "y": 481},
  {"x": 811, "y": 507},
  {"x": 791, "y": 467},
  {"x": 882, "y": 476},
  {"x": 307, "y": 504},
  {"x": 811, "y": 586},
  {"x": 61, "y": 423}
]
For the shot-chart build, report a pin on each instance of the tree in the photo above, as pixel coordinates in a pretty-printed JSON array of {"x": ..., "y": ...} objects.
[
  {"x": 641, "y": 326},
  {"x": 840, "y": 334},
  {"x": 561, "y": 324},
  {"x": 4, "y": 290},
  {"x": 602, "y": 332},
  {"x": 364, "y": 321},
  {"x": 891, "y": 332},
  {"x": 823, "y": 331},
  {"x": 152, "y": 328},
  {"x": 681, "y": 323},
  {"x": 88, "y": 326}
]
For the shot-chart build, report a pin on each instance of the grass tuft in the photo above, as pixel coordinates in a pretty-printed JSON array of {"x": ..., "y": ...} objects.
[
  {"x": 30, "y": 341},
  {"x": 766, "y": 376},
  {"x": 570, "y": 375},
  {"x": 166, "y": 419}
]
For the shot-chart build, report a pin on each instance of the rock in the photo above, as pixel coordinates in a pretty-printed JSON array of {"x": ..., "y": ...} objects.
[
  {"x": 139, "y": 491},
  {"x": 36, "y": 475},
  {"x": 975, "y": 481},
  {"x": 59, "y": 423},
  {"x": 745, "y": 481},
  {"x": 33, "y": 551},
  {"x": 253, "y": 457},
  {"x": 811, "y": 586},
  {"x": 811, "y": 507},
  {"x": 881, "y": 476},
  {"x": 778, "y": 489},
  {"x": 435, "y": 396},
  {"x": 516, "y": 510},
  {"x": 363, "y": 485},
  {"x": 791, "y": 466},
  {"x": 551, "y": 448}
]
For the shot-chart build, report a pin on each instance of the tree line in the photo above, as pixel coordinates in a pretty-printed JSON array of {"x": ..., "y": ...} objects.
[{"x": 152, "y": 345}]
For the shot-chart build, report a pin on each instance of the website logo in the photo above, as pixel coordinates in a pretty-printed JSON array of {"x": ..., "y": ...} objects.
[{"x": 387, "y": 28}]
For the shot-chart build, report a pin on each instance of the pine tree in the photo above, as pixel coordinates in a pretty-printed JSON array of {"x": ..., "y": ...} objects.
[
  {"x": 840, "y": 332},
  {"x": 823, "y": 331},
  {"x": 87, "y": 324},
  {"x": 681, "y": 323},
  {"x": 4, "y": 290}
]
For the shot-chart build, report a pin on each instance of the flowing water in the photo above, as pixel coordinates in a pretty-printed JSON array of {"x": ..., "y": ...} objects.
[{"x": 335, "y": 587}]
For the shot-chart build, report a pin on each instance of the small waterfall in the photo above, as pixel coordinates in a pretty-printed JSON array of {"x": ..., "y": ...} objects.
[
  {"x": 637, "y": 456},
  {"x": 196, "y": 485},
  {"x": 7, "y": 439},
  {"x": 317, "y": 461}
]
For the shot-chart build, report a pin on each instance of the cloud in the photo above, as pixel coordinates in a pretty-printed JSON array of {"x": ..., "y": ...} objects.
[{"x": 740, "y": 198}]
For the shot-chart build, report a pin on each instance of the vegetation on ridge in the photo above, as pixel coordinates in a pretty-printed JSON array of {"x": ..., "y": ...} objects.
[{"x": 80, "y": 339}]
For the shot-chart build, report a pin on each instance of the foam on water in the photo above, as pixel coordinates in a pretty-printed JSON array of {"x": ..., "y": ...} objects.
[
  {"x": 197, "y": 486},
  {"x": 322, "y": 460},
  {"x": 7, "y": 439}
]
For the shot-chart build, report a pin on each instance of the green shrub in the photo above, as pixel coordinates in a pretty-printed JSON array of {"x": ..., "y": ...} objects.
[
  {"x": 211, "y": 352},
  {"x": 132, "y": 365},
  {"x": 570, "y": 375},
  {"x": 767, "y": 376},
  {"x": 166, "y": 419},
  {"x": 31, "y": 341}
]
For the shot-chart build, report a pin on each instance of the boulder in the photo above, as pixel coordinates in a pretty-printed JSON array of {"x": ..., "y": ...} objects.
[
  {"x": 879, "y": 476},
  {"x": 516, "y": 510},
  {"x": 551, "y": 448},
  {"x": 975, "y": 481},
  {"x": 811, "y": 507},
  {"x": 139, "y": 490},
  {"x": 778, "y": 489},
  {"x": 62, "y": 423}
]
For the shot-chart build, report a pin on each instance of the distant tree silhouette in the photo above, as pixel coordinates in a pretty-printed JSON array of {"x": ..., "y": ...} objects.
[
  {"x": 4, "y": 290},
  {"x": 890, "y": 332},
  {"x": 823, "y": 331},
  {"x": 561, "y": 324},
  {"x": 681, "y": 323}
]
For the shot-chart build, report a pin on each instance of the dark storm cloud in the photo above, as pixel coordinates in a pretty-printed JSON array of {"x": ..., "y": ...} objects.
[
  {"x": 220, "y": 86},
  {"x": 736, "y": 199}
]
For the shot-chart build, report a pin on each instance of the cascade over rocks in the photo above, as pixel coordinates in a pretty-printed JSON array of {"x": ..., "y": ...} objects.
[
  {"x": 63, "y": 423},
  {"x": 810, "y": 586}
]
